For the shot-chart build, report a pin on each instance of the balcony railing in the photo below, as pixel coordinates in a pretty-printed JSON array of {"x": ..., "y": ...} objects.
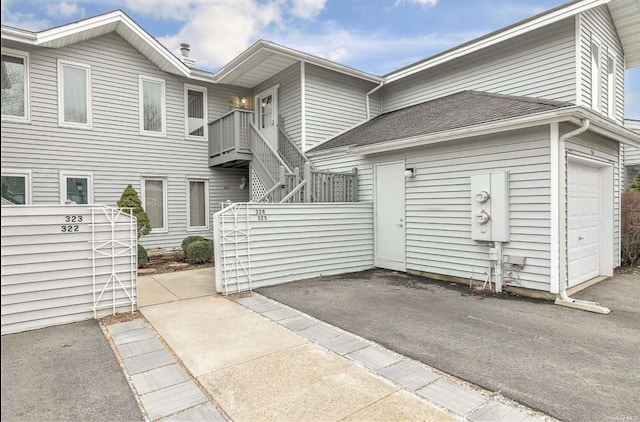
[{"x": 230, "y": 133}]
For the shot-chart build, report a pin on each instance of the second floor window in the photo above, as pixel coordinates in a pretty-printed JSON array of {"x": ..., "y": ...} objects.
[
  {"x": 596, "y": 76},
  {"x": 15, "y": 85},
  {"x": 196, "y": 112},
  {"x": 152, "y": 106},
  {"x": 611, "y": 86},
  {"x": 74, "y": 94}
]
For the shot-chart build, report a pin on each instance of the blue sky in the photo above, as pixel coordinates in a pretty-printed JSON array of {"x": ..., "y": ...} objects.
[{"x": 376, "y": 36}]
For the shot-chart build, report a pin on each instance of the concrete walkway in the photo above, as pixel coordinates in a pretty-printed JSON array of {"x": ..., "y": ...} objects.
[{"x": 199, "y": 356}]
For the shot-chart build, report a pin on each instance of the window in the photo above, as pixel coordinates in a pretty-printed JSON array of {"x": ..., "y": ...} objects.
[
  {"x": 198, "y": 204},
  {"x": 154, "y": 197},
  {"x": 596, "y": 80},
  {"x": 611, "y": 86},
  {"x": 266, "y": 111},
  {"x": 74, "y": 94},
  {"x": 16, "y": 187},
  {"x": 15, "y": 85},
  {"x": 76, "y": 188},
  {"x": 152, "y": 108},
  {"x": 196, "y": 111}
]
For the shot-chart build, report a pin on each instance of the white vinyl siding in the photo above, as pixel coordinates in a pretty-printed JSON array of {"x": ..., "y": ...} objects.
[
  {"x": 114, "y": 151},
  {"x": 537, "y": 64},
  {"x": 74, "y": 94},
  {"x": 288, "y": 101},
  {"x": 334, "y": 102},
  {"x": 76, "y": 187},
  {"x": 16, "y": 186},
  {"x": 154, "y": 201},
  {"x": 631, "y": 156},
  {"x": 197, "y": 204},
  {"x": 296, "y": 241},
  {"x": 438, "y": 208},
  {"x": 48, "y": 273},
  {"x": 152, "y": 106},
  {"x": 596, "y": 147},
  {"x": 196, "y": 116},
  {"x": 15, "y": 85},
  {"x": 596, "y": 26}
]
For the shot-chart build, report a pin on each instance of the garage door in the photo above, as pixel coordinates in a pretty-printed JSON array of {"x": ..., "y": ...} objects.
[{"x": 584, "y": 214}]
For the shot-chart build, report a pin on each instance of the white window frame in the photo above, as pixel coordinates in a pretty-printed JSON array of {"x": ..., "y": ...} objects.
[
  {"x": 206, "y": 204},
  {"x": 87, "y": 68},
  {"x": 163, "y": 83},
  {"x": 596, "y": 76},
  {"x": 27, "y": 89},
  {"x": 11, "y": 172},
  {"x": 187, "y": 88},
  {"x": 65, "y": 174},
  {"x": 612, "y": 69},
  {"x": 165, "y": 202}
]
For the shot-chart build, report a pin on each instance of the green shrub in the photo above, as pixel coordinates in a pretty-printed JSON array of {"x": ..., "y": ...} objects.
[
  {"x": 189, "y": 240},
  {"x": 199, "y": 252},
  {"x": 130, "y": 201},
  {"x": 143, "y": 258},
  {"x": 635, "y": 184}
]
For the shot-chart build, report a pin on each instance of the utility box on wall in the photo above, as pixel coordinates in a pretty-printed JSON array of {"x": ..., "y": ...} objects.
[{"x": 490, "y": 207}]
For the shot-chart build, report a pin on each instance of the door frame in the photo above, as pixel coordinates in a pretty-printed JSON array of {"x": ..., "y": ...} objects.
[
  {"x": 607, "y": 207},
  {"x": 273, "y": 91},
  {"x": 378, "y": 262}
]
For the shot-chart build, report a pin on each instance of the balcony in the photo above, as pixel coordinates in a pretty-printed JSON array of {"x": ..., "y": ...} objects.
[{"x": 229, "y": 144}]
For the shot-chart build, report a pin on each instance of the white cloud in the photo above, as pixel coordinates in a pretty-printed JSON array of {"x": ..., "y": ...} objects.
[
  {"x": 218, "y": 31},
  {"x": 27, "y": 21},
  {"x": 307, "y": 9},
  {"x": 177, "y": 10},
  {"x": 64, "y": 10},
  {"x": 418, "y": 2}
]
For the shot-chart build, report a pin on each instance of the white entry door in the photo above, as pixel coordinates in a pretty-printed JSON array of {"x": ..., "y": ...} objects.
[
  {"x": 390, "y": 216},
  {"x": 584, "y": 220},
  {"x": 267, "y": 115}
]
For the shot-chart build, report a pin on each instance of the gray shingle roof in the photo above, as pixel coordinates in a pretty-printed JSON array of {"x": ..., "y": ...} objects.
[{"x": 466, "y": 108}]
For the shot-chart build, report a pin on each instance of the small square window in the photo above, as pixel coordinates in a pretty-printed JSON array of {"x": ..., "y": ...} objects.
[
  {"x": 76, "y": 188},
  {"x": 16, "y": 188}
]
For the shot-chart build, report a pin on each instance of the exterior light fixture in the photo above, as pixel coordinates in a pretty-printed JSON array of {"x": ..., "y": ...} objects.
[
  {"x": 410, "y": 173},
  {"x": 243, "y": 183},
  {"x": 243, "y": 101}
]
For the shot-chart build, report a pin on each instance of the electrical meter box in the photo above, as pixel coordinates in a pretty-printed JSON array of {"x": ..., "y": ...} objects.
[{"x": 490, "y": 207}]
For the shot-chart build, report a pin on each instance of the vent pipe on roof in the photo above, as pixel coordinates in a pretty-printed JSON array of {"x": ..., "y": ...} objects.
[{"x": 185, "y": 49}]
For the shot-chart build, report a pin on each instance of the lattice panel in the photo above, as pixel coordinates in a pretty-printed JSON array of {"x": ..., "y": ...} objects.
[{"x": 258, "y": 190}]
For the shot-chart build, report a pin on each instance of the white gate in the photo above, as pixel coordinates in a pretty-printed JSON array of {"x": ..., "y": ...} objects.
[{"x": 66, "y": 263}]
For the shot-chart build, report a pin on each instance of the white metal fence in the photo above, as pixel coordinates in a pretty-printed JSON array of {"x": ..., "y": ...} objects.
[
  {"x": 259, "y": 244},
  {"x": 66, "y": 263}
]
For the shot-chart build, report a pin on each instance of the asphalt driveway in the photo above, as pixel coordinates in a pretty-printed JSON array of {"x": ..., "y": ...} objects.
[
  {"x": 573, "y": 365},
  {"x": 64, "y": 373}
]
